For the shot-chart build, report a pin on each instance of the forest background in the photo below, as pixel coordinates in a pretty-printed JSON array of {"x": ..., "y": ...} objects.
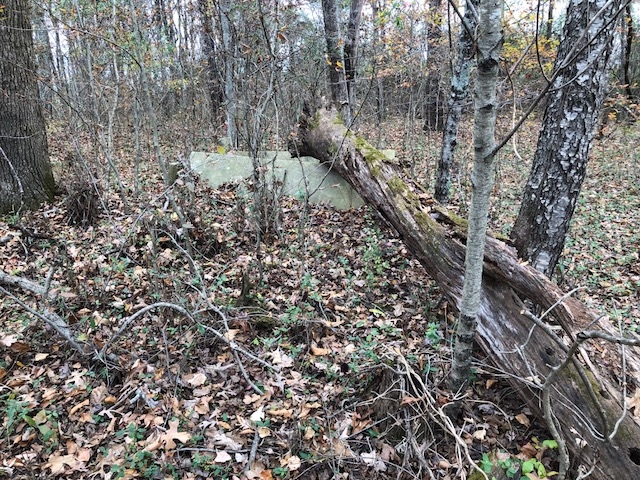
[{"x": 239, "y": 332}]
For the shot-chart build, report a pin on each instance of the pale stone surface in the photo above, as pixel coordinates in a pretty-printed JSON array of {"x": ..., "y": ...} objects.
[{"x": 322, "y": 184}]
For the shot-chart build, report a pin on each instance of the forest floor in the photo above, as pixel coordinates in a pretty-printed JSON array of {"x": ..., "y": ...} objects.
[{"x": 322, "y": 317}]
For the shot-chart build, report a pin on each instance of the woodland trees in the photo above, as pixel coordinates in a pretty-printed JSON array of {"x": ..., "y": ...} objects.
[
  {"x": 25, "y": 172},
  {"x": 130, "y": 81}
]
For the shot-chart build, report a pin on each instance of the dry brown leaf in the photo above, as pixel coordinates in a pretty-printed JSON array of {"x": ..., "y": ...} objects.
[
  {"x": 633, "y": 403},
  {"x": 57, "y": 462},
  {"x": 490, "y": 383},
  {"x": 8, "y": 340},
  {"x": 318, "y": 351},
  {"x": 169, "y": 437},
  {"x": 79, "y": 406},
  {"x": 222, "y": 457},
  {"x": 194, "y": 379},
  {"x": 258, "y": 415},
  {"x": 294, "y": 463},
  {"x": 282, "y": 412},
  {"x": 406, "y": 400},
  {"x": 480, "y": 434},
  {"x": 523, "y": 420}
]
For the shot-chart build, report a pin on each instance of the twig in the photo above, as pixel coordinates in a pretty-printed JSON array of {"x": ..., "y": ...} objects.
[
  {"x": 52, "y": 319},
  {"x": 571, "y": 358},
  {"x": 438, "y": 414},
  {"x": 623, "y": 355},
  {"x": 233, "y": 345},
  {"x": 26, "y": 284},
  {"x": 254, "y": 450},
  {"x": 6, "y": 239}
]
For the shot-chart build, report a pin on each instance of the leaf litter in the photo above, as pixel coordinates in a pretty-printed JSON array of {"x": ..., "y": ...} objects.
[{"x": 332, "y": 302}]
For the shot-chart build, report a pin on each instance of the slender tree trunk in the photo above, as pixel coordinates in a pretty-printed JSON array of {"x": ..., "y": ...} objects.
[
  {"x": 44, "y": 59},
  {"x": 549, "y": 32},
  {"x": 229, "y": 45},
  {"x": 459, "y": 92},
  {"x": 216, "y": 92},
  {"x": 26, "y": 179},
  {"x": 432, "y": 101},
  {"x": 568, "y": 128},
  {"x": 335, "y": 59},
  {"x": 485, "y": 109},
  {"x": 351, "y": 53},
  {"x": 627, "y": 52},
  {"x": 378, "y": 60}
]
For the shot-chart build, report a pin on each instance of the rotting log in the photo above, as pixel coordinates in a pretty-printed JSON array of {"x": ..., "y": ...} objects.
[{"x": 509, "y": 338}]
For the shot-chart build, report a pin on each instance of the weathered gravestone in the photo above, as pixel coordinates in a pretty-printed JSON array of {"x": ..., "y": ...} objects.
[{"x": 302, "y": 177}]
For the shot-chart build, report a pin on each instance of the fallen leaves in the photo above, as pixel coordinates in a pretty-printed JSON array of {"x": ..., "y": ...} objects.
[
  {"x": 168, "y": 438},
  {"x": 330, "y": 309}
]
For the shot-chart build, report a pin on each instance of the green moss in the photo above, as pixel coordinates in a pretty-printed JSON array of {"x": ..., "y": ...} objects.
[
  {"x": 337, "y": 120},
  {"x": 314, "y": 122},
  {"x": 427, "y": 223},
  {"x": 374, "y": 157},
  {"x": 399, "y": 187},
  {"x": 454, "y": 218}
]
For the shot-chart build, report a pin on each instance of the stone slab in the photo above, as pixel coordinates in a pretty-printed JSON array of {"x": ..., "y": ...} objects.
[{"x": 301, "y": 176}]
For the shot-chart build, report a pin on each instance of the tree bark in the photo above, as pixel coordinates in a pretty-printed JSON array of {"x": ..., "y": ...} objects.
[
  {"x": 216, "y": 92},
  {"x": 549, "y": 30},
  {"x": 378, "y": 59},
  {"x": 568, "y": 127},
  {"x": 626, "y": 63},
  {"x": 485, "y": 110},
  {"x": 229, "y": 44},
  {"x": 523, "y": 351},
  {"x": 26, "y": 179},
  {"x": 335, "y": 59},
  {"x": 351, "y": 53},
  {"x": 459, "y": 91}
]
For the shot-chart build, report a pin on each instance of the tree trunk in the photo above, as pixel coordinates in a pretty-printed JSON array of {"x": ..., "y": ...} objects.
[
  {"x": 524, "y": 352},
  {"x": 549, "y": 31},
  {"x": 378, "y": 60},
  {"x": 568, "y": 128},
  {"x": 351, "y": 53},
  {"x": 485, "y": 110},
  {"x": 26, "y": 179},
  {"x": 335, "y": 59},
  {"x": 433, "y": 96},
  {"x": 459, "y": 91},
  {"x": 626, "y": 63},
  {"x": 229, "y": 44},
  {"x": 216, "y": 93}
]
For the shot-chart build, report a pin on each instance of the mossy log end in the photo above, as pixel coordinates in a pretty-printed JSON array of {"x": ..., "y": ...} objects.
[{"x": 511, "y": 341}]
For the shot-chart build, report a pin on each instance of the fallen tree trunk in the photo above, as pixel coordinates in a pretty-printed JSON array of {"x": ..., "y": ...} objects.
[{"x": 585, "y": 411}]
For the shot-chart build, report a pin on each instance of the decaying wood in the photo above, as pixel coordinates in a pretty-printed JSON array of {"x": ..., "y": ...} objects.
[{"x": 506, "y": 333}]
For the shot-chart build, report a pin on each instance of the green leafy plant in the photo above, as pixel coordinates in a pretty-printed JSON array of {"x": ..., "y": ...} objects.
[{"x": 517, "y": 469}]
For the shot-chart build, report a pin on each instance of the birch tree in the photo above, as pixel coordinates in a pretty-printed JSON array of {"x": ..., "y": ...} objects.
[
  {"x": 580, "y": 82},
  {"x": 485, "y": 109}
]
